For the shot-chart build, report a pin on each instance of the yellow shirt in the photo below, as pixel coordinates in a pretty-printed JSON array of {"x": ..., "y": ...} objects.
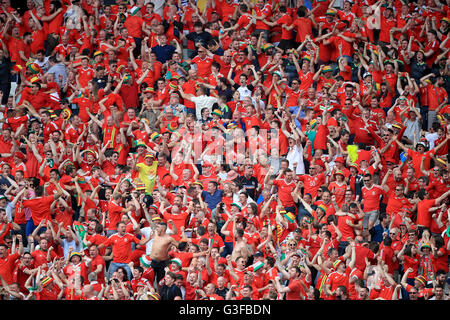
[{"x": 147, "y": 174}]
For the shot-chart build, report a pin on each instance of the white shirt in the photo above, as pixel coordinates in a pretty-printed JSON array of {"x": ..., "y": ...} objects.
[
  {"x": 43, "y": 65},
  {"x": 431, "y": 138},
  {"x": 295, "y": 155},
  {"x": 203, "y": 102},
  {"x": 147, "y": 232},
  {"x": 66, "y": 245},
  {"x": 244, "y": 92}
]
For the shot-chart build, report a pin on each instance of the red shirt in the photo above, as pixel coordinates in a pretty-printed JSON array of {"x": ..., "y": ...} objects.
[
  {"x": 85, "y": 75},
  {"x": 62, "y": 50},
  {"x": 346, "y": 230},
  {"x": 285, "y": 19},
  {"x": 336, "y": 279},
  {"x": 97, "y": 239},
  {"x": 265, "y": 11},
  {"x": 40, "y": 208},
  {"x": 97, "y": 261},
  {"x": 38, "y": 101},
  {"x": 423, "y": 212},
  {"x": 432, "y": 45},
  {"x": 115, "y": 215},
  {"x": 203, "y": 66},
  {"x": 306, "y": 80},
  {"x": 372, "y": 197},
  {"x": 134, "y": 26},
  {"x": 304, "y": 27},
  {"x": 121, "y": 246},
  {"x": 435, "y": 96},
  {"x": 66, "y": 217},
  {"x": 417, "y": 160},
  {"x": 7, "y": 266},
  {"x": 40, "y": 257},
  {"x": 295, "y": 287},
  {"x": 312, "y": 183},
  {"x": 284, "y": 192},
  {"x": 386, "y": 25}
]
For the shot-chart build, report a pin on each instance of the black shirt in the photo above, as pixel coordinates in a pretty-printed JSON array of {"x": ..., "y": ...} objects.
[
  {"x": 169, "y": 293},
  {"x": 222, "y": 293},
  {"x": 101, "y": 82},
  {"x": 5, "y": 71},
  {"x": 227, "y": 92},
  {"x": 202, "y": 38},
  {"x": 250, "y": 185}
]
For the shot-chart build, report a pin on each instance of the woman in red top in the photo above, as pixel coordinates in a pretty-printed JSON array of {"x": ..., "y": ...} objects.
[{"x": 410, "y": 259}]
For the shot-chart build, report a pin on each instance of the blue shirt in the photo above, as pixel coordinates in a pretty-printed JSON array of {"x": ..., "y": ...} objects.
[
  {"x": 377, "y": 233},
  {"x": 212, "y": 199},
  {"x": 163, "y": 53}
]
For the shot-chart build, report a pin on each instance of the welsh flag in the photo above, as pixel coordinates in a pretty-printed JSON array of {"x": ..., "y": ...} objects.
[{"x": 80, "y": 231}]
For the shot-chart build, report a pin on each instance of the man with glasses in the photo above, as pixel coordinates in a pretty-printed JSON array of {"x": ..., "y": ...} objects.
[
  {"x": 293, "y": 94},
  {"x": 202, "y": 63},
  {"x": 419, "y": 290},
  {"x": 386, "y": 145}
]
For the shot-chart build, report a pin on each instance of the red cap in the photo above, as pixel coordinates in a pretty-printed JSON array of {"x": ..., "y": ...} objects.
[
  {"x": 332, "y": 122},
  {"x": 319, "y": 162}
]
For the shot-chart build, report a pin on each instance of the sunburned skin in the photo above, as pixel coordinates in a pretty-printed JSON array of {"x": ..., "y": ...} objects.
[{"x": 161, "y": 244}]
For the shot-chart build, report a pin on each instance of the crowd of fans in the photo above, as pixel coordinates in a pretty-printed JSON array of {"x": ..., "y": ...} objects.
[{"x": 236, "y": 150}]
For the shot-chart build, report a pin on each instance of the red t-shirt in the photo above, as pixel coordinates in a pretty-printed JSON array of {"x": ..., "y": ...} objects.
[
  {"x": 7, "y": 266},
  {"x": 203, "y": 66},
  {"x": 40, "y": 208},
  {"x": 115, "y": 215},
  {"x": 423, "y": 212},
  {"x": 121, "y": 246},
  {"x": 284, "y": 192},
  {"x": 295, "y": 287},
  {"x": 372, "y": 197}
]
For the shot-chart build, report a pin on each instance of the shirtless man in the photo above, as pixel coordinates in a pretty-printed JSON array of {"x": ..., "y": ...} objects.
[
  {"x": 241, "y": 248},
  {"x": 160, "y": 250}
]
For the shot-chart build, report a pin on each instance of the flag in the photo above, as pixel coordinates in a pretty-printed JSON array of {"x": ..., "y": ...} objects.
[
  {"x": 402, "y": 157},
  {"x": 55, "y": 97},
  {"x": 80, "y": 231},
  {"x": 353, "y": 152},
  {"x": 260, "y": 199}
]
